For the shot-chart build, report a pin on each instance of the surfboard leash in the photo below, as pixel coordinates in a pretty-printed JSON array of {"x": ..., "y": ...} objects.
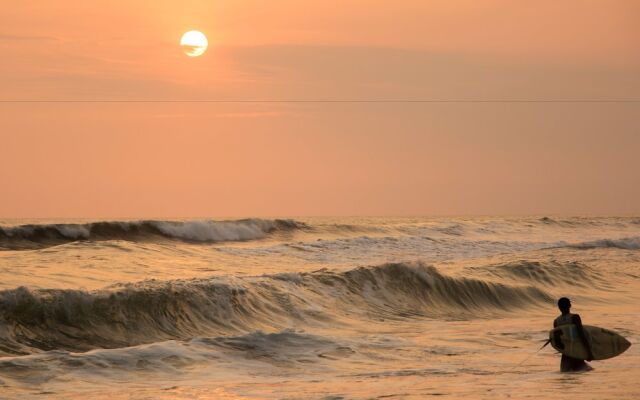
[{"x": 533, "y": 354}]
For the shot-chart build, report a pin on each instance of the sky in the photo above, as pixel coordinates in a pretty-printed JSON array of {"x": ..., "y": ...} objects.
[{"x": 98, "y": 119}]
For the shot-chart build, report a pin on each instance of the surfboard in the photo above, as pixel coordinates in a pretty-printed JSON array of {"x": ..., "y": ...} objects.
[{"x": 604, "y": 343}]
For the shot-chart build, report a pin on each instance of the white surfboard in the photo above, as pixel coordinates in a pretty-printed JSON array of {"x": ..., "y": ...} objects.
[{"x": 604, "y": 342}]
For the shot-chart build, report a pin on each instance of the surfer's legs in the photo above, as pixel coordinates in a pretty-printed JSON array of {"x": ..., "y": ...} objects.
[{"x": 569, "y": 364}]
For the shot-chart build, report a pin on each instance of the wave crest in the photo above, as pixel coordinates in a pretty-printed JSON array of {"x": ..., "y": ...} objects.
[{"x": 548, "y": 273}]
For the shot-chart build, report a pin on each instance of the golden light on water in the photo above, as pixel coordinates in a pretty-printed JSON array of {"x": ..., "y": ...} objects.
[{"x": 194, "y": 43}]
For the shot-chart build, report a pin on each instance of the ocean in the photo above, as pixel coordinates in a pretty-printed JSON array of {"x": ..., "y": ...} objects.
[{"x": 312, "y": 308}]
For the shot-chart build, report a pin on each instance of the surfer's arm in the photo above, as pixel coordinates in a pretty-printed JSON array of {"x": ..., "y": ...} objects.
[{"x": 578, "y": 323}]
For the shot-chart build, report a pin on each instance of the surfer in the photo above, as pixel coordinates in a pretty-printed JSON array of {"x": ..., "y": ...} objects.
[{"x": 570, "y": 364}]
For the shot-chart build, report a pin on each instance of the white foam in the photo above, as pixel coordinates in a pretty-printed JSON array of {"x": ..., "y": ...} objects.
[
  {"x": 205, "y": 231},
  {"x": 74, "y": 231}
]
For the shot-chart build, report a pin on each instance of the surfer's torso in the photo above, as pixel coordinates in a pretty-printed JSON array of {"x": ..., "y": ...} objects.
[
  {"x": 569, "y": 364},
  {"x": 565, "y": 319}
]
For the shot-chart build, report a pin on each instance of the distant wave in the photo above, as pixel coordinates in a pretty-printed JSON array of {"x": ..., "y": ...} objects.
[
  {"x": 151, "y": 311},
  {"x": 40, "y": 236},
  {"x": 575, "y": 222},
  {"x": 630, "y": 243}
]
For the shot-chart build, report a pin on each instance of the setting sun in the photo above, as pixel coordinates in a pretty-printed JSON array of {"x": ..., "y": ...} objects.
[{"x": 194, "y": 43}]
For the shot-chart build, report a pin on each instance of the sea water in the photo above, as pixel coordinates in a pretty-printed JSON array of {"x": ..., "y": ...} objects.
[{"x": 319, "y": 308}]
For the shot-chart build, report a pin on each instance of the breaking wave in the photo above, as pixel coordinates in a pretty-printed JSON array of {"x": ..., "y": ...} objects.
[
  {"x": 40, "y": 236},
  {"x": 150, "y": 311}
]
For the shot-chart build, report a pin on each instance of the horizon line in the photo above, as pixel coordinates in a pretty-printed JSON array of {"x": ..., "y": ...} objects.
[{"x": 319, "y": 101}]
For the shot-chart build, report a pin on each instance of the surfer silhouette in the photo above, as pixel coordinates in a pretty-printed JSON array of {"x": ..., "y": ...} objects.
[{"x": 570, "y": 364}]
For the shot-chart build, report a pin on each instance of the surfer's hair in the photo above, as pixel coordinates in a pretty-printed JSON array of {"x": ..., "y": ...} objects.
[{"x": 564, "y": 303}]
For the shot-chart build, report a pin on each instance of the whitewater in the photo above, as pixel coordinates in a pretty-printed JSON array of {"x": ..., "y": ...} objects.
[{"x": 312, "y": 308}]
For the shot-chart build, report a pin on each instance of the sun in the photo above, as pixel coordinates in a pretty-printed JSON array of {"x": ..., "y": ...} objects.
[{"x": 194, "y": 43}]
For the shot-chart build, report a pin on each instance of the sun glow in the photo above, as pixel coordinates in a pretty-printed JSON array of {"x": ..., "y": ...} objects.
[{"x": 194, "y": 43}]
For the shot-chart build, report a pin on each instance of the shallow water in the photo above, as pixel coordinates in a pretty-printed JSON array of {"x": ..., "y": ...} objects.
[{"x": 312, "y": 308}]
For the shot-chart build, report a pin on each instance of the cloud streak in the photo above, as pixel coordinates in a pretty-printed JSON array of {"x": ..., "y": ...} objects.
[
  {"x": 10, "y": 37},
  {"x": 310, "y": 72}
]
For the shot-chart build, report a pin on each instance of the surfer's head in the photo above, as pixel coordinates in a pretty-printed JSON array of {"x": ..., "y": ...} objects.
[{"x": 564, "y": 304}]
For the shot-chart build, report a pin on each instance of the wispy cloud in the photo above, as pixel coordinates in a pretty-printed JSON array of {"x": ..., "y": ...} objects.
[
  {"x": 231, "y": 115},
  {"x": 10, "y": 37},
  {"x": 302, "y": 72}
]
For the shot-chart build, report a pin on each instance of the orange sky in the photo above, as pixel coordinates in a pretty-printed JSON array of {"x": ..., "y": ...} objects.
[{"x": 194, "y": 160}]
